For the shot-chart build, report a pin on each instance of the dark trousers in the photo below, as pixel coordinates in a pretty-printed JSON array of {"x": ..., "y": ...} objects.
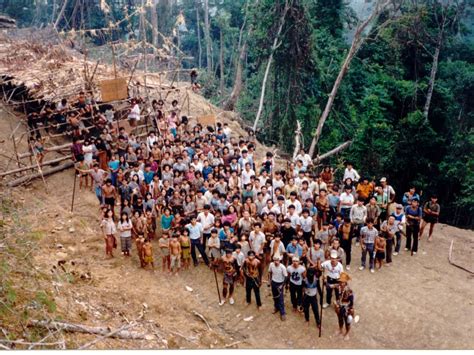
[
  {"x": 345, "y": 212},
  {"x": 296, "y": 295},
  {"x": 278, "y": 297},
  {"x": 346, "y": 245},
  {"x": 357, "y": 229},
  {"x": 389, "y": 248},
  {"x": 313, "y": 302},
  {"x": 329, "y": 290},
  {"x": 196, "y": 243},
  {"x": 412, "y": 232},
  {"x": 205, "y": 238},
  {"x": 307, "y": 238},
  {"x": 369, "y": 248},
  {"x": 399, "y": 241},
  {"x": 251, "y": 284}
]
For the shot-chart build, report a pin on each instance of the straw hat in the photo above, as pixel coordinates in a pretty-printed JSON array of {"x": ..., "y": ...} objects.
[{"x": 344, "y": 277}]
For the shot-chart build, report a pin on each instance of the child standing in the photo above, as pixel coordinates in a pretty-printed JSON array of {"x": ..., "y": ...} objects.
[
  {"x": 379, "y": 250},
  {"x": 164, "y": 244},
  {"x": 185, "y": 248},
  {"x": 147, "y": 254}
]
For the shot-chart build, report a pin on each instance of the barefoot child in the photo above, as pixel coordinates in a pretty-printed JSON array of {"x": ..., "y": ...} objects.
[
  {"x": 379, "y": 250},
  {"x": 185, "y": 248},
  {"x": 164, "y": 244},
  {"x": 175, "y": 253},
  {"x": 109, "y": 230},
  {"x": 147, "y": 253},
  {"x": 139, "y": 242}
]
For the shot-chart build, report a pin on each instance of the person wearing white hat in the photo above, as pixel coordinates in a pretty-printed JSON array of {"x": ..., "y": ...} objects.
[
  {"x": 277, "y": 275},
  {"x": 296, "y": 273},
  {"x": 332, "y": 268}
]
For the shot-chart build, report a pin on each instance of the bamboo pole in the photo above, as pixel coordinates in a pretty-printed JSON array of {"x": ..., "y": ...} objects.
[
  {"x": 46, "y": 163},
  {"x": 27, "y": 178}
]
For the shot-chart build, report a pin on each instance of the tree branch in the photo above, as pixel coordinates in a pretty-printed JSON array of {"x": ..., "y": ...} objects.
[{"x": 332, "y": 152}]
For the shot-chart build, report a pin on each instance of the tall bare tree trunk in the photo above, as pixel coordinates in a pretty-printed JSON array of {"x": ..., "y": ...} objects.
[
  {"x": 356, "y": 43},
  {"x": 154, "y": 24},
  {"x": 208, "y": 36},
  {"x": 221, "y": 62},
  {"x": 198, "y": 25},
  {"x": 61, "y": 13},
  {"x": 267, "y": 69},
  {"x": 434, "y": 69}
]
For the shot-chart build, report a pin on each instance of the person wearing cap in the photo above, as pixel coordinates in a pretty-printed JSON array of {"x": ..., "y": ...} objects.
[
  {"x": 430, "y": 216},
  {"x": 358, "y": 216},
  {"x": 296, "y": 273},
  {"x": 344, "y": 304},
  {"x": 277, "y": 275},
  {"x": 346, "y": 201},
  {"x": 400, "y": 221},
  {"x": 310, "y": 289},
  {"x": 250, "y": 272},
  {"x": 367, "y": 240},
  {"x": 332, "y": 269},
  {"x": 413, "y": 215},
  {"x": 230, "y": 272}
]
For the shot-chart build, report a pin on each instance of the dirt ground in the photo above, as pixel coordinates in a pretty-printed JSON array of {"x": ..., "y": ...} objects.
[{"x": 421, "y": 302}]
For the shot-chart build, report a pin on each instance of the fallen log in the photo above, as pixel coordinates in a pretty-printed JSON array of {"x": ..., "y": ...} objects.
[
  {"x": 27, "y": 178},
  {"x": 79, "y": 328},
  {"x": 34, "y": 166},
  {"x": 49, "y": 149}
]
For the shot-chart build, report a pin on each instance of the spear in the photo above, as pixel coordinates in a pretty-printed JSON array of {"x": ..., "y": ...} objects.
[{"x": 217, "y": 284}]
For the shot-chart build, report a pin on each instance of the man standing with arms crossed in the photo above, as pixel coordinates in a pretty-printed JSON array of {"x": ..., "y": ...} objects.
[
  {"x": 195, "y": 234},
  {"x": 358, "y": 215}
]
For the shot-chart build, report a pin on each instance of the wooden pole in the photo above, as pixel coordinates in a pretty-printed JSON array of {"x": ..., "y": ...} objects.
[
  {"x": 73, "y": 190},
  {"x": 321, "y": 307},
  {"x": 217, "y": 283},
  {"x": 27, "y": 178},
  {"x": 39, "y": 167},
  {"x": 115, "y": 64},
  {"x": 49, "y": 162}
]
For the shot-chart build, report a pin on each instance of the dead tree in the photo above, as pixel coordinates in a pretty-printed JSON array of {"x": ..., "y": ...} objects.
[
  {"x": 208, "y": 36},
  {"x": 357, "y": 41},
  {"x": 275, "y": 45}
]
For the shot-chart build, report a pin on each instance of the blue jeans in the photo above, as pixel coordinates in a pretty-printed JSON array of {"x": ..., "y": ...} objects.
[
  {"x": 369, "y": 248},
  {"x": 278, "y": 294},
  {"x": 196, "y": 243},
  {"x": 98, "y": 193}
]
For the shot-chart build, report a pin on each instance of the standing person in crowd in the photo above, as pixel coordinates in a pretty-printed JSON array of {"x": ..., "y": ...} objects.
[
  {"x": 250, "y": 272},
  {"x": 344, "y": 305},
  {"x": 109, "y": 229},
  {"x": 350, "y": 173},
  {"x": 413, "y": 215},
  {"x": 296, "y": 273},
  {"x": 310, "y": 289},
  {"x": 125, "y": 229},
  {"x": 358, "y": 216},
  {"x": 400, "y": 221},
  {"x": 277, "y": 275},
  {"x": 346, "y": 201},
  {"x": 332, "y": 268},
  {"x": 367, "y": 240},
  {"x": 195, "y": 234},
  {"x": 431, "y": 211}
]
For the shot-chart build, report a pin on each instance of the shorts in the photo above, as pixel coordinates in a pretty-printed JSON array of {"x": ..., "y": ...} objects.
[
  {"x": 430, "y": 219},
  {"x": 229, "y": 279},
  {"x": 175, "y": 261},
  {"x": 148, "y": 259},
  {"x": 380, "y": 255},
  {"x": 165, "y": 251}
]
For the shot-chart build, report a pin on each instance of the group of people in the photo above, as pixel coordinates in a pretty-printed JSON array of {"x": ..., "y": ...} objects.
[{"x": 197, "y": 193}]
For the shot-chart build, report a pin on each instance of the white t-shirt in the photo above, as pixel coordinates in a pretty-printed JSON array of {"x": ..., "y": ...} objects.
[
  {"x": 332, "y": 271},
  {"x": 296, "y": 274},
  {"x": 353, "y": 174},
  {"x": 306, "y": 223},
  {"x": 135, "y": 113},
  {"x": 256, "y": 240},
  {"x": 345, "y": 198},
  {"x": 295, "y": 203},
  {"x": 279, "y": 273},
  {"x": 246, "y": 176},
  {"x": 206, "y": 221}
]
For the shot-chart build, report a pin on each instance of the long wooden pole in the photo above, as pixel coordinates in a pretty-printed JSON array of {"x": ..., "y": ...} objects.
[
  {"x": 49, "y": 162},
  {"x": 73, "y": 191},
  {"x": 27, "y": 178}
]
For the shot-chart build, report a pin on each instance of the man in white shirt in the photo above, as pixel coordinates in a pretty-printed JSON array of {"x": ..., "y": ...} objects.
[
  {"x": 332, "y": 268},
  {"x": 351, "y": 173},
  {"x": 358, "y": 215},
  {"x": 195, "y": 234},
  {"x": 304, "y": 157},
  {"x": 277, "y": 275},
  {"x": 293, "y": 201},
  {"x": 346, "y": 201},
  {"x": 206, "y": 218},
  {"x": 246, "y": 174}
]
